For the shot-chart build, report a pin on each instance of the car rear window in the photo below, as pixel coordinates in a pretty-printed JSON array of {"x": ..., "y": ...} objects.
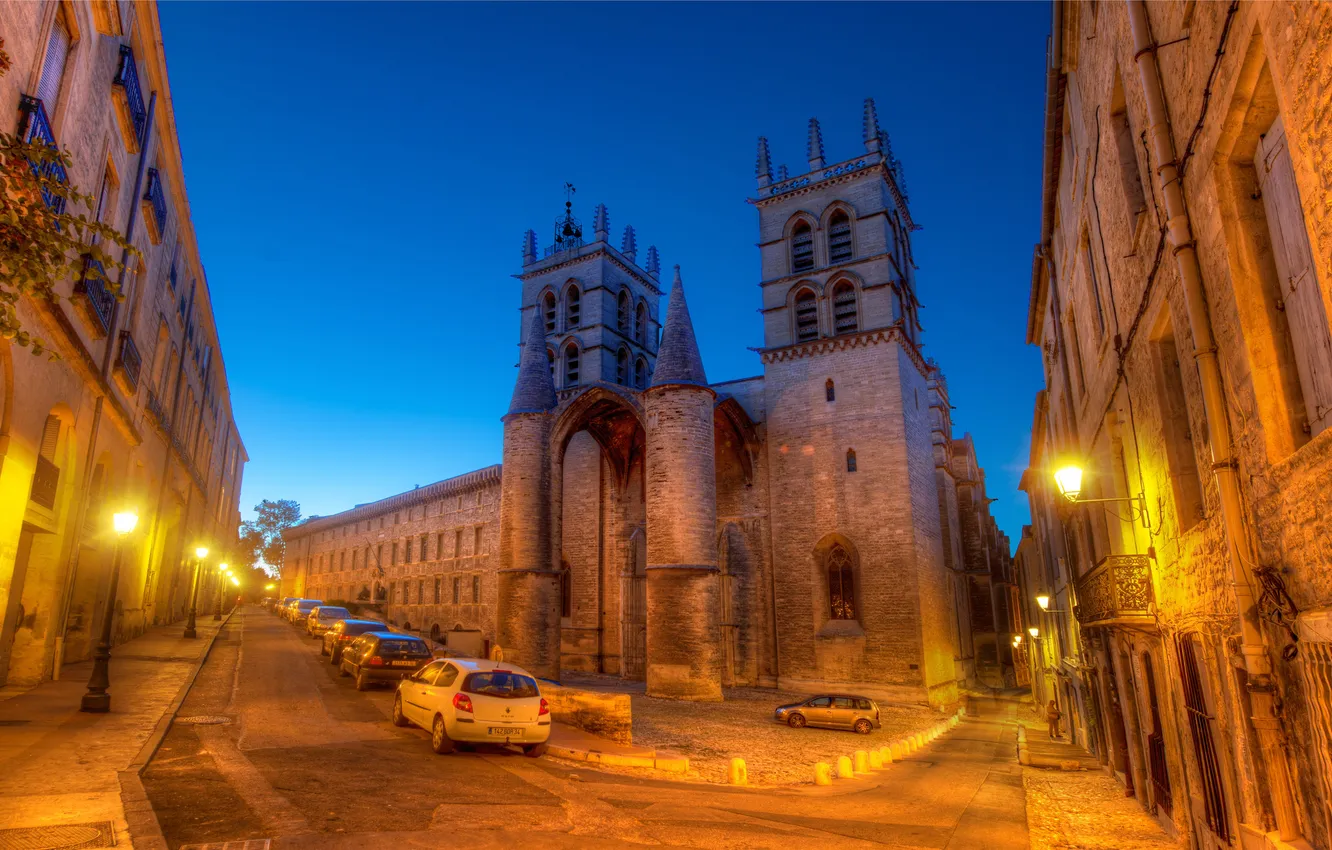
[
  {"x": 408, "y": 647},
  {"x": 362, "y": 628},
  {"x": 325, "y": 611},
  {"x": 864, "y": 705},
  {"x": 501, "y": 683}
]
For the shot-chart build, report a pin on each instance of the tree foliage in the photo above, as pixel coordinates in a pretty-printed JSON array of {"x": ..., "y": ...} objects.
[
  {"x": 48, "y": 230},
  {"x": 261, "y": 538}
]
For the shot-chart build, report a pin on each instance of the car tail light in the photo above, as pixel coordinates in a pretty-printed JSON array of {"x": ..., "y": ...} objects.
[
  {"x": 462, "y": 702},
  {"x": 375, "y": 661},
  {"x": 545, "y": 707}
]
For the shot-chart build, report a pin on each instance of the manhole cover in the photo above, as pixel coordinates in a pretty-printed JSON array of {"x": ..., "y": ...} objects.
[
  {"x": 205, "y": 719},
  {"x": 65, "y": 837}
]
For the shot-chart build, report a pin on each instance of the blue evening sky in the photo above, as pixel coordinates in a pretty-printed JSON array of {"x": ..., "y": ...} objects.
[{"x": 361, "y": 175}]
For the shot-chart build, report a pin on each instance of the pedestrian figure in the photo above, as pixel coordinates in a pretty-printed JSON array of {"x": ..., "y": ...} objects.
[{"x": 1052, "y": 715}]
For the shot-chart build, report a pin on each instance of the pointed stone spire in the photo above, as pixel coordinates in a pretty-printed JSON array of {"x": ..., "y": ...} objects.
[
  {"x": 653, "y": 266},
  {"x": 814, "y": 147},
  {"x": 601, "y": 223},
  {"x": 886, "y": 147},
  {"x": 629, "y": 245},
  {"x": 529, "y": 247},
  {"x": 763, "y": 167},
  {"x": 782, "y": 173},
  {"x": 534, "y": 392},
  {"x": 678, "y": 361},
  {"x": 871, "y": 126}
]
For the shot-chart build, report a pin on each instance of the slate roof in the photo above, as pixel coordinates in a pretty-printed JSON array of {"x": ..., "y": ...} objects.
[
  {"x": 678, "y": 361},
  {"x": 534, "y": 392}
]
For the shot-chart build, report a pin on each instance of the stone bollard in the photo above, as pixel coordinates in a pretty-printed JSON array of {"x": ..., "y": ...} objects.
[
  {"x": 823, "y": 773},
  {"x": 1023, "y": 754},
  {"x": 920, "y": 741},
  {"x": 739, "y": 773},
  {"x": 899, "y": 750},
  {"x": 876, "y": 760},
  {"x": 862, "y": 764},
  {"x": 844, "y": 769},
  {"x": 886, "y": 754}
]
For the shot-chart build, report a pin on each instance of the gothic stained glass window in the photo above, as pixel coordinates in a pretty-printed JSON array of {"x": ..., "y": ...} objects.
[
  {"x": 841, "y": 585},
  {"x": 806, "y": 316},
  {"x": 802, "y": 248}
]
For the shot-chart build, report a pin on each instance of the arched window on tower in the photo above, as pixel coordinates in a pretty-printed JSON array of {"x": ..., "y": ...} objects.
[
  {"x": 839, "y": 238},
  {"x": 624, "y": 310},
  {"x": 548, "y": 310},
  {"x": 802, "y": 247},
  {"x": 841, "y": 585},
  {"x": 850, "y": 460},
  {"x": 622, "y": 367},
  {"x": 640, "y": 373},
  {"x": 640, "y": 323},
  {"x": 550, "y": 355},
  {"x": 806, "y": 316},
  {"x": 572, "y": 308},
  {"x": 830, "y": 391},
  {"x": 571, "y": 364},
  {"x": 845, "y": 320}
]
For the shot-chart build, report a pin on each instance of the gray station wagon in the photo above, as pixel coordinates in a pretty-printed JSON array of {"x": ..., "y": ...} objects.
[{"x": 832, "y": 711}]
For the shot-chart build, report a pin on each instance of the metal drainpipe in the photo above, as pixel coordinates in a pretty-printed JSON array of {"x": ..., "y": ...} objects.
[
  {"x": 108, "y": 357},
  {"x": 1257, "y": 662}
]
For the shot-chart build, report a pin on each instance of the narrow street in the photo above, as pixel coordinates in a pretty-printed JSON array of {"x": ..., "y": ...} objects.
[{"x": 304, "y": 759}]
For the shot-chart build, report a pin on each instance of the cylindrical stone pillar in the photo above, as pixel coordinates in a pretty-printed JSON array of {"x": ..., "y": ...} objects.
[
  {"x": 527, "y": 618},
  {"x": 683, "y": 585}
]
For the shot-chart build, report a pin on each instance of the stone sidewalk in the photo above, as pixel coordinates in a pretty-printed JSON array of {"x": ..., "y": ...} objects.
[{"x": 60, "y": 769}]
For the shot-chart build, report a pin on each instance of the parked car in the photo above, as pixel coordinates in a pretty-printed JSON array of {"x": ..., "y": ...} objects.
[
  {"x": 323, "y": 616},
  {"x": 383, "y": 656},
  {"x": 280, "y": 608},
  {"x": 343, "y": 632},
  {"x": 474, "y": 701},
  {"x": 301, "y": 608},
  {"x": 832, "y": 711}
]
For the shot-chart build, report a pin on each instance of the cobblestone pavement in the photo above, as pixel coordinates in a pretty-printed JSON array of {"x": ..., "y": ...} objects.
[
  {"x": 1087, "y": 810},
  {"x": 711, "y": 734}
]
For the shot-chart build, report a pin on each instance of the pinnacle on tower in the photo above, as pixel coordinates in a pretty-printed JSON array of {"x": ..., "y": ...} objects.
[
  {"x": 534, "y": 391},
  {"x": 529, "y": 247},
  {"x": 678, "y": 360},
  {"x": 871, "y": 126},
  {"x": 814, "y": 147},
  {"x": 629, "y": 245},
  {"x": 763, "y": 167},
  {"x": 653, "y": 266},
  {"x": 601, "y": 223}
]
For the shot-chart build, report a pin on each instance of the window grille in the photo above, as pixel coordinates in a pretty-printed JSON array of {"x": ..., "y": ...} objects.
[
  {"x": 571, "y": 365},
  {"x": 839, "y": 238},
  {"x": 850, "y": 460},
  {"x": 841, "y": 585},
  {"x": 640, "y": 323},
  {"x": 572, "y": 309},
  {"x": 548, "y": 308},
  {"x": 806, "y": 316},
  {"x": 622, "y": 366},
  {"x": 802, "y": 248},
  {"x": 1204, "y": 748},
  {"x": 845, "y": 320},
  {"x": 623, "y": 312},
  {"x": 1156, "y": 755},
  {"x": 830, "y": 391}
]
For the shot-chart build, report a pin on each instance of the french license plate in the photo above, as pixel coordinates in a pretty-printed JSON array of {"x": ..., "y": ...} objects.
[
  {"x": 506, "y": 731},
  {"x": 404, "y": 663}
]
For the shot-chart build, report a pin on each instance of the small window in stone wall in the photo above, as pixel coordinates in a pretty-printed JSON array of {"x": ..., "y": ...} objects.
[
  {"x": 457, "y": 589},
  {"x": 850, "y": 460},
  {"x": 476, "y": 541},
  {"x": 425, "y": 544},
  {"x": 407, "y": 551},
  {"x": 571, "y": 365},
  {"x": 457, "y": 542},
  {"x": 572, "y": 309},
  {"x": 548, "y": 310},
  {"x": 845, "y": 319},
  {"x": 806, "y": 316},
  {"x": 394, "y": 562},
  {"x": 476, "y": 588},
  {"x": 841, "y": 585},
  {"x": 830, "y": 391},
  {"x": 839, "y": 238},
  {"x": 420, "y": 591},
  {"x": 802, "y": 248},
  {"x": 437, "y": 590}
]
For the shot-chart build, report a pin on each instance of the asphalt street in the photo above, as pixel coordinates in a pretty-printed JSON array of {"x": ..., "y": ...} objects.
[{"x": 302, "y": 758}]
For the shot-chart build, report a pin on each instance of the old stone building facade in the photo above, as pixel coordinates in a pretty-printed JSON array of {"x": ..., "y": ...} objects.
[
  {"x": 813, "y": 526},
  {"x": 135, "y": 413},
  {"x": 1180, "y": 298}
]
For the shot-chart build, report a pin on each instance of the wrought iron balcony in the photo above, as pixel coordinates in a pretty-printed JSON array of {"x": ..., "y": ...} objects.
[
  {"x": 129, "y": 95},
  {"x": 154, "y": 199},
  {"x": 1117, "y": 592},
  {"x": 45, "y": 481},
  {"x": 128, "y": 361},
  {"x": 92, "y": 284},
  {"x": 35, "y": 128}
]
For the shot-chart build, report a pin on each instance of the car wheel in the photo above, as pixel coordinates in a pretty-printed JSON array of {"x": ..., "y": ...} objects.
[
  {"x": 535, "y": 751},
  {"x": 399, "y": 719},
  {"x": 796, "y": 721},
  {"x": 362, "y": 681},
  {"x": 440, "y": 741},
  {"x": 863, "y": 726}
]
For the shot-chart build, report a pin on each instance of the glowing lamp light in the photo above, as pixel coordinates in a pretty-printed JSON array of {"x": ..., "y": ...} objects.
[
  {"x": 1069, "y": 481},
  {"x": 235, "y": 581},
  {"x": 124, "y": 521},
  {"x": 269, "y": 586},
  {"x": 201, "y": 552},
  {"x": 1043, "y": 601},
  {"x": 1033, "y": 631},
  {"x": 1017, "y": 639},
  {"x": 223, "y": 567}
]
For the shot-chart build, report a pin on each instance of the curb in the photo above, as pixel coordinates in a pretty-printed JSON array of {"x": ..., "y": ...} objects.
[
  {"x": 668, "y": 763},
  {"x": 145, "y": 833}
]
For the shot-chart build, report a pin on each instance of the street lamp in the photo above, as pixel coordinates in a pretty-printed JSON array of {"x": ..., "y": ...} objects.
[
  {"x": 1034, "y": 632},
  {"x": 199, "y": 554},
  {"x": 1017, "y": 639},
  {"x": 1044, "y": 601},
  {"x": 97, "y": 699},
  {"x": 222, "y": 571},
  {"x": 1068, "y": 479}
]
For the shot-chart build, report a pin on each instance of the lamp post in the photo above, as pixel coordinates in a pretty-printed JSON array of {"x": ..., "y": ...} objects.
[
  {"x": 221, "y": 583},
  {"x": 199, "y": 554},
  {"x": 1068, "y": 479},
  {"x": 97, "y": 699}
]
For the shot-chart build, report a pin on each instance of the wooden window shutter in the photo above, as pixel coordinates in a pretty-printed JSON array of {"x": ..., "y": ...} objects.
[
  {"x": 1306, "y": 315},
  {"x": 53, "y": 65},
  {"x": 50, "y": 437}
]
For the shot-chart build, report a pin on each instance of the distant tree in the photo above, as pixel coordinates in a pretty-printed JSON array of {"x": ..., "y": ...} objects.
[
  {"x": 44, "y": 237},
  {"x": 261, "y": 538}
]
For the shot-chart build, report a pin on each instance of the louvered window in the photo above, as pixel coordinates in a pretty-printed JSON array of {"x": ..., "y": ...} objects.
[
  {"x": 53, "y": 66},
  {"x": 844, "y": 309},
  {"x": 571, "y": 365},
  {"x": 622, "y": 367},
  {"x": 548, "y": 309},
  {"x": 640, "y": 373},
  {"x": 640, "y": 324},
  {"x": 841, "y": 585},
  {"x": 572, "y": 309},
  {"x": 806, "y": 316},
  {"x": 839, "y": 238},
  {"x": 625, "y": 308},
  {"x": 802, "y": 248},
  {"x": 50, "y": 437}
]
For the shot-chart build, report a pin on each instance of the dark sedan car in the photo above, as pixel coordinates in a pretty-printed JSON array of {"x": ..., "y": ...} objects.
[
  {"x": 383, "y": 657},
  {"x": 342, "y": 633},
  {"x": 833, "y": 711}
]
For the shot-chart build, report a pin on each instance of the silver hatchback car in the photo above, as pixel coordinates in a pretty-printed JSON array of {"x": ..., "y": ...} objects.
[{"x": 832, "y": 711}]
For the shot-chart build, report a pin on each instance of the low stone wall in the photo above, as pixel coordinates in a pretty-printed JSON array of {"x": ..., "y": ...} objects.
[{"x": 602, "y": 714}]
